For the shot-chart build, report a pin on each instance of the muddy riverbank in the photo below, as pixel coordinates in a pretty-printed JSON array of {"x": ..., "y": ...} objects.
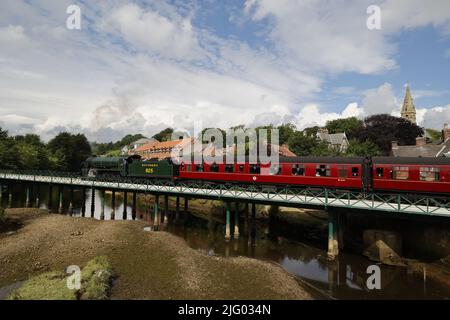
[{"x": 148, "y": 265}]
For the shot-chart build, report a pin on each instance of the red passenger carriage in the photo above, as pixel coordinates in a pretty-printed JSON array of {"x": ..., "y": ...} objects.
[
  {"x": 331, "y": 172},
  {"x": 417, "y": 175}
]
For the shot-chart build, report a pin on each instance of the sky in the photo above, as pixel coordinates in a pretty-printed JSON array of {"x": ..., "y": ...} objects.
[{"x": 141, "y": 66}]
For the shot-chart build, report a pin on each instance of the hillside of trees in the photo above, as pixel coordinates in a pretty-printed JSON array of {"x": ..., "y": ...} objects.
[
  {"x": 369, "y": 137},
  {"x": 65, "y": 152}
]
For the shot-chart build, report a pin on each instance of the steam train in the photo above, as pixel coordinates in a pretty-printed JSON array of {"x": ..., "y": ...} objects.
[{"x": 376, "y": 174}]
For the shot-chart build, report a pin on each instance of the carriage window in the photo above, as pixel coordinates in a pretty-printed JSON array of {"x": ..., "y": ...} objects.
[
  {"x": 400, "y": 173},
  {"x": 214, "y": 168},
  {"x": 229, "y": 168},
  {"x": 379, "y": 172},
  {"x": 188, "y": 168},
  {"x": 255, "y": 168},
  {"x": 241, "y": 168},
  {"x": 275, "y": 169},
  {"x": 355, "y": 171},
  {"x": 298, "y": 170},
  {"x": 199, "y": 168},
  {"x": 342, "y": 171},
  {"x": 322, "y": 170},
  {"x": 429, "y": 174}
]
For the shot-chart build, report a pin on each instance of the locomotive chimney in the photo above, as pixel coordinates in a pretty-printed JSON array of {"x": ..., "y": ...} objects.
[
  {"x": 394, "y": 145},
  {"x": 446, "y": 132},
  {"x": 420, "y": 141}
]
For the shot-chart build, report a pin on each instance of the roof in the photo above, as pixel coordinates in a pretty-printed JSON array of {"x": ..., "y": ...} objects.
[
  {"x": 155, "y": 145},
  {"x": 348, "y": 160},
  {"x": 428, "y": 150},
  {"x": 408, "y": 104},
  {"x": 159, "y": 156},
  {"x": 411, "y": 160},
  {"x": 332, "y": 138}
]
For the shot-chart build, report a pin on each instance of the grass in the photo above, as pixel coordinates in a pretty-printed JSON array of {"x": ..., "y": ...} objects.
[
  {"x": 47, "y": 286},
  {"x": 95, "y": 284},
  {"x": 96, "y": 279}
]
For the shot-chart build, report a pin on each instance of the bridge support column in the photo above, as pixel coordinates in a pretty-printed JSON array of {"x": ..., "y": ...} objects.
[
  {"x": 50, "y": 198},
  {"x": 342, "y": 222},
  {"x": 28, "y": 201},
  {"x": 37, "y": 201},
  {"x": 102, "y": 206},
  {"x": 236, "y": 221},
  {"x": 166, "y": 210},
  {"x": 227, "y": 221},
  {"x": 92, "y": 202},
  {"x": 156, "y": 212},
  {"x": 125, "y": 203},
  {"x": 113, "y": 205},
  {"x": 333, "y": 227},
  {"x": 60, "y": 203},
  {"x": 1, "y": 196},
  {"x": 10, "y": 192},
  {"x": 177, "y": 209},
  {"x": 83, "y": 200},
  {"x": 71, "y": 201},
  {"x": 252, "y": 227},
  {"x": 186, "y": 204},
  {"x": 246, "y": 222},
  {"x": 133, "y": 209}
]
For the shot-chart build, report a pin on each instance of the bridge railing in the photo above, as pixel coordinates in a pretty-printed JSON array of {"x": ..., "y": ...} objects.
[
  {"x": 47, "y": 173},
  {"x": 288, "y": 195}
]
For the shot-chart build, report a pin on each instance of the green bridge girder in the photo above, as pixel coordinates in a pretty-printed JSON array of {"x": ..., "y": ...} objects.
[{"x": 287, "y": 196}]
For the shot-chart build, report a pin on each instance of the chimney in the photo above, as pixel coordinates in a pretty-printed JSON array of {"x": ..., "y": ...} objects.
[
  {"x": 394, "y": 145},
  {"x": 420, "y": 141},
  {"x": 446, "y": 132}
]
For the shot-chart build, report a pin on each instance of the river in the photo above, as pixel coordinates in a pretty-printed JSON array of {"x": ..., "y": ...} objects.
[{"x": 343, "y": 279}]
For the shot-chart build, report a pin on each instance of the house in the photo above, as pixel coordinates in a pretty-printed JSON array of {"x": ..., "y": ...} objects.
[
  {"x": 336, "y": 141},
  {"x": 129, "y": 149},
  {"x": 283, "y": 150},
  {"x": 163, "y": 150},
  {"x": 424, "y": 149}
]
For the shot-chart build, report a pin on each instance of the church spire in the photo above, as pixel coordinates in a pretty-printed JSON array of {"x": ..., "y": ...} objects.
[{"x": 408, "y": 109}]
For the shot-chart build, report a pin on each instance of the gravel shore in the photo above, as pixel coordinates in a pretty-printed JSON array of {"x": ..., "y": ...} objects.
[{"x": 148, "y": 265}]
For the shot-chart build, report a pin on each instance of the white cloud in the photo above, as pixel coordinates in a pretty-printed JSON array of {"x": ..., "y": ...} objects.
[
  {"x": 311, "y": 115},
  {"x": 380, "y": 100},
  {"x": 436, "y": 117},
  {"x": 148, "y": 30},
  {"x": 141, "y": 67},
  {"x": 332, "y": 36}
]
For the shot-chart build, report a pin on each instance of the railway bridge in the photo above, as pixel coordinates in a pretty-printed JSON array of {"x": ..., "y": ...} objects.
[{"x": 320, "y": 198}]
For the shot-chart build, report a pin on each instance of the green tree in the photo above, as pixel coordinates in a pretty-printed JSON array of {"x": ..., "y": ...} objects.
[
  {"x": 285, "y": 132},
  {"x": 362, "y": 149},
  {"x": 434, "y": 134},
  {"x": 382, "y": 129},
  {"x": 301, "y": 144},
  {"x": 69, "y": 151},
  {"x": 9, "y": 153},
  {"x": 351, "y": 126},
  {"x": 164, "y": 135},
  {"x": 311, "y": 131}
]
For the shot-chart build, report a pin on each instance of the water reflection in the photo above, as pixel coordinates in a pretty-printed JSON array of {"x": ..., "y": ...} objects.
[{"x": 344, "y": 278}]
